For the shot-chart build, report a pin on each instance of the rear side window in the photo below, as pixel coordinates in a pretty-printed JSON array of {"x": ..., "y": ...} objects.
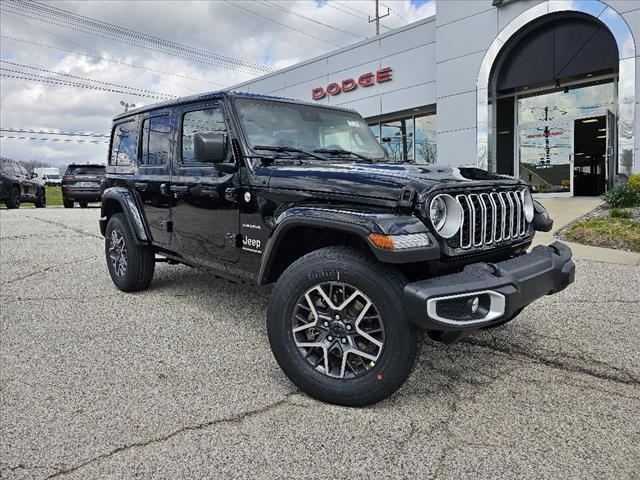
[
  {"x": 156, "y": 136},
  {"x": 123, "y": 144},
  {"x": 199, "y": 121}
]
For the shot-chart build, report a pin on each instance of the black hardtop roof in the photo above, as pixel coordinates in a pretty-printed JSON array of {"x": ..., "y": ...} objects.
[{"x": 217, "y": 95}]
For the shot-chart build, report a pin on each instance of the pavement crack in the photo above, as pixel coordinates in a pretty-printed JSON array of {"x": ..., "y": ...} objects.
[
  {"x": 46, "y": 269},
  {"x": 66, "y": 227},
  {"x": 234, "y": 419},
  {"x": 586, "y": 366}
]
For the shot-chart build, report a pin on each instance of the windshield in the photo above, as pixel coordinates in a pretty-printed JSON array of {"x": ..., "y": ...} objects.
[
  {"x": 276, "y": 124},
  {"x": 85, "y": 170}
]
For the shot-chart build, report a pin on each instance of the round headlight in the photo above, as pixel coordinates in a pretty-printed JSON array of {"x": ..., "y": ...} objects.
[
  {"x": 527, "y": 202},
  {"x": 445, "y": 215}
]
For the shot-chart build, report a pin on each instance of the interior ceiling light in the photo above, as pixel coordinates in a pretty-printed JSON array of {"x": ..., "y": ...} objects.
[
  {"x": 581, "y": 153},
  {"x": 601, "y": 136},
  {"x": 602, "y": 129},
  {"x": 590, "y": 120}
]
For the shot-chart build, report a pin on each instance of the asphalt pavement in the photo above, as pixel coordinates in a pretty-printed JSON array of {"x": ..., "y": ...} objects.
[{"x": 179, "y": 382}]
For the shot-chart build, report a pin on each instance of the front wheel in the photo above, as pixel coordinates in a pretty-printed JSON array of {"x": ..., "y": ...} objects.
[
  {"x": 337, "y": 327},
  {"x": 131, "y": 265}
]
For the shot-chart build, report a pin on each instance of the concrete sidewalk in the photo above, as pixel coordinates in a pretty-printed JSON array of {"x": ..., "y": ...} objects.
[{"x": 564, "y": 211}]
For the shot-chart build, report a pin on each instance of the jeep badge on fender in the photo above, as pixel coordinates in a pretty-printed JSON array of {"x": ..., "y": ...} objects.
[{"x": 359, "y": 251}]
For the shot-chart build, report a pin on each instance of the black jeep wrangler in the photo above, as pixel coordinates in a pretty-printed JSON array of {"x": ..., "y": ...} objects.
[
  {"x": 360, "y": 251},
  {"x": 18, "y": 185}
]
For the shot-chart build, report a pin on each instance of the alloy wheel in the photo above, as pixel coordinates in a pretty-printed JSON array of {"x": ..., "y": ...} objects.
[
  {"x": 338, "y": 330},
  {"x": 118, "y": 253}
]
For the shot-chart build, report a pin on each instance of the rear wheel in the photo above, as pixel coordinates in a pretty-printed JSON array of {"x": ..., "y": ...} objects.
[
  {"x": 41, "y": 199},
  {"x": 67, "y": 203},
  {"x": 337, "y": 327},
  {"x": 83, "y": 203},
  {"x": 14, "y": 198},
  {"x": 130, "y": 264}
]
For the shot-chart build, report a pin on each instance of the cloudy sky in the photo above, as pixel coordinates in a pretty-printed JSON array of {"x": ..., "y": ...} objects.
[{"x": 64, "y": 73}]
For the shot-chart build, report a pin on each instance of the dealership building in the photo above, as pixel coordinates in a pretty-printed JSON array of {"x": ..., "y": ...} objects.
[{"x": 543, "y": 90}]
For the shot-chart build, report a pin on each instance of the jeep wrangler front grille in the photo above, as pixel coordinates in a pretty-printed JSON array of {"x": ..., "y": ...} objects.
[{"x": 491, "y": 218}]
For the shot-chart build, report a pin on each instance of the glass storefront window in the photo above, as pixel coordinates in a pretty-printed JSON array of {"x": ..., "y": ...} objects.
[
  {"x": 425, "y": 139},
  {"x": 588, "y": 101},
  {"x": 409, "y": 139},
  {"x": 397, "y": 137}
]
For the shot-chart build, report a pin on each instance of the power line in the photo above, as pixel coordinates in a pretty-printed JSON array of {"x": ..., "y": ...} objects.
[
  {"x": 67, "y": 83},
  {"x": 110, "y": 60},
  {"x": 395, "y": 13},
  {"x": 144, "y": 90},
  {"x": 355, "y": 10},
  {"x": 90, "y": 26},
  {"x": 53, "y": 132},
  {"x": 299, "y": 15},
  {"x": 282, "y": 24},
  {"x": 123, "y": 31},
  {"x": 47, "y": 139}
]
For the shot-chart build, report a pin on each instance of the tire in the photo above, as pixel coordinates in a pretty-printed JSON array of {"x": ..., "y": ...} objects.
[
  {"x": 351, "y": 382},
  {"x": 136, "y": 272},
  {"x": 14, "y": 200},
  {"x": 41, "y": 199},
  {"x": 504, "y": 321},
  {"x": 67, "y": 203},
  {"x": 83, "y": 203}
]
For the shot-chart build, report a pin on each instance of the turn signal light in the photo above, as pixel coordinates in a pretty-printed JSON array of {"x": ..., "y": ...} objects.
[{"x": 382, "y": 241}]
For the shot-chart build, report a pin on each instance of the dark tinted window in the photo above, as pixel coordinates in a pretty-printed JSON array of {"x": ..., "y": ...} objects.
[
  {"x": 156, "y": 135},
  {"x": 199, "y": 121},
  {"x": 23, "y": 170},
  {"x": 123, "y": 146},
  {"x": 85, "y": 170}
]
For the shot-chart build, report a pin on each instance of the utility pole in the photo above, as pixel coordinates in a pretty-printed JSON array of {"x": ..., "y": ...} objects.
[
  {"x": 378, "y": 17},
  {"x": 127, "y": 105}
]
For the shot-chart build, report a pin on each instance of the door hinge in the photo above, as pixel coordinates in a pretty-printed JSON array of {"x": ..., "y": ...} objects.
[
  {"x": 407, "y": 198},
  {"x": 167, "y": 225}
]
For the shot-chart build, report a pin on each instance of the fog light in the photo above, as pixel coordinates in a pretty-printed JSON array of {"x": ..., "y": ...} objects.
[{"x": 474, "y": 303}]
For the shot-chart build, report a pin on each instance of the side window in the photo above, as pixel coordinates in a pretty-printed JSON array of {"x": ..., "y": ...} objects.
[
  {"x": 199, "y": 121},
  {"x": 156, "y": 140},
  {"x": 123, "y": 144}
]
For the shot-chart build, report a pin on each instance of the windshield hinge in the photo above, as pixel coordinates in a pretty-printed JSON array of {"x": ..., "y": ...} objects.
[{"x": 407, "y": 198}]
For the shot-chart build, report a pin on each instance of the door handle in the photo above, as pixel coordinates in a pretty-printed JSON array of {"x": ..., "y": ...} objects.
[
  {"x": 179, "y": 188},
  {"x": 140, "y": 186}
]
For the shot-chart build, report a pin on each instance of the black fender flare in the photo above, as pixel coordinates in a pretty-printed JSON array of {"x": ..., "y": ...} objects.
[
  {"x": 129, "y": 206},
  {"x": 349, "y": 221}
]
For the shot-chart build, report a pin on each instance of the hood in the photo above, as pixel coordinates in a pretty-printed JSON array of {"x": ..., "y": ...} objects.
[{"x": 377, "y": 180}]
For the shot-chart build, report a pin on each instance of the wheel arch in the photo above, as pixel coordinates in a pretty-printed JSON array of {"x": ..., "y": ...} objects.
[{"x": 120, "y": 200}]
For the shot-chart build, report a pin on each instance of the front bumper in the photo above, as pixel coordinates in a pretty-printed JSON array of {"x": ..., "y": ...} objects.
[{"x": 488, "y": 293}]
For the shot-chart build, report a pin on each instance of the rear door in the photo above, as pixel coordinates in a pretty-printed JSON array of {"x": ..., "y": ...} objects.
[
  {"x": 154, "y": 173},
  {"x": 205, "y": 211}
]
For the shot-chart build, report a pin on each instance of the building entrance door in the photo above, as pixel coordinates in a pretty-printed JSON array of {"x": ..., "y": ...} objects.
[{"x": 546, "y": 157}]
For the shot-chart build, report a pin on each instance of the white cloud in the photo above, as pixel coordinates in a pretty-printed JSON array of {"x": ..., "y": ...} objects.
[{"x": 214, "y": 26}]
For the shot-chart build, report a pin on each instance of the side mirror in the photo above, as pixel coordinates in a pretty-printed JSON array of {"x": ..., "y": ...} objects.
[
  {"x": 33, "y": 175},
  {"x": 210, "y": 147}
]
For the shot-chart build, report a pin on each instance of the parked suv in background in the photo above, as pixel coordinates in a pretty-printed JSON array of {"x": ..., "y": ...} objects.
[
  {"x": 359, "y": 250},
  {"x": 82, "y": 184},
  {"x": 17, "y": 185}
]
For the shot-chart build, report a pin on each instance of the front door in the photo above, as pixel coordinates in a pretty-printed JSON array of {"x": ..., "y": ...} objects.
[
  {"x": 205, "y": 208},
  {"x": 546, "y": 158},
  {"x": 155, "y": 175}
]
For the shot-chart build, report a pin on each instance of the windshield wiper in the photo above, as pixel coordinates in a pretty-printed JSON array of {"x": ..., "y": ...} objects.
[
  {"x": 338, "y": 151},
  {"x": 285, "y": 149}
]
